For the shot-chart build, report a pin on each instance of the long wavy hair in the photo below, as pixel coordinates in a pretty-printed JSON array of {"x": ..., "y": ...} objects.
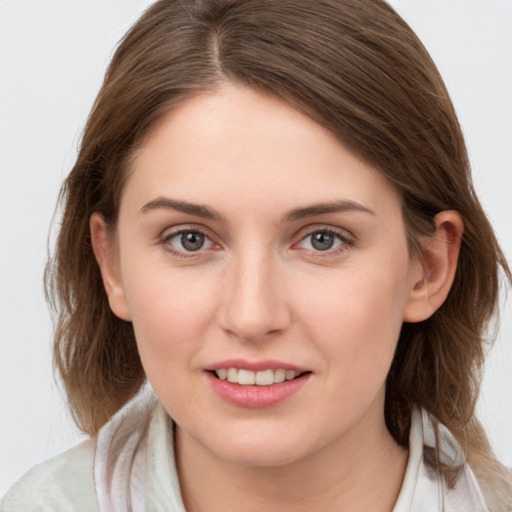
[{"x": 357, "y": 69}]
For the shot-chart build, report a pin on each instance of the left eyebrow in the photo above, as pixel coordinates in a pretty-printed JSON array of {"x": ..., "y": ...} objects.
[{"x": 323, "y": 208}]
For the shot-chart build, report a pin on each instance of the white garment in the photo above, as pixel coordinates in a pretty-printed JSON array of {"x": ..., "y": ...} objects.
[
  {"x": 422, "y": 490},
  {"x": 133, "y": 470}
]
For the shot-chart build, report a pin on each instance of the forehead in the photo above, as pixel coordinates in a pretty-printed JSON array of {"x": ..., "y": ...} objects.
[{"x": 238, "y": 144}]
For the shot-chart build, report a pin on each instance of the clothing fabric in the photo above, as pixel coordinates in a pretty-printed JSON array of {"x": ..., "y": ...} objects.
[{"x": 130, "y": 467}]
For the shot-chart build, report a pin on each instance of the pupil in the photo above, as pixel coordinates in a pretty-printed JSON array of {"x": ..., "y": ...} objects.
[
  {"x": 192, "y": 241},
  {"x": 322, "y": 241}
]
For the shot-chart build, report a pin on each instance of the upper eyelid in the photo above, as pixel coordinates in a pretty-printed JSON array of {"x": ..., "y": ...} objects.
[
  {"x": 169, "y": 233},
  {"x": 342, "y": 238},
  {"x": 346, "y": 238},
  {"x": 166, "y": 236},
  {"x": 172, "y": 231},
  {"x": 299, "y": 235},
  {"x": 310, "y": 229}
]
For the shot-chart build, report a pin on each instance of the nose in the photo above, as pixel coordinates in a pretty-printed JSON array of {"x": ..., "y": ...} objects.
[{"x": 254, "y": 306}]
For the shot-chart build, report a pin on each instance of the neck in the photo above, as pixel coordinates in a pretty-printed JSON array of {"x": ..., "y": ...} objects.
[{"x": 354, "y": 473}]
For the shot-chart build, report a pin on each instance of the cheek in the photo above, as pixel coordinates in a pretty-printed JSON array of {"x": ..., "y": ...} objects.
[
  {"x": 356, "y": 320},
  {"x": 170, "y": 312}
]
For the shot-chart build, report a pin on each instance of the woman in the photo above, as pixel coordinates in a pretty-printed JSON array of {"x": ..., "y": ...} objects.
[{"x": 272, "y": 219}]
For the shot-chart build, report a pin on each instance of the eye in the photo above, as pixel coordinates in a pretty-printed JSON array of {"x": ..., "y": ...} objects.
[
  {"x": 187, "y": 241},
  {"x": 323, "y": 240}
]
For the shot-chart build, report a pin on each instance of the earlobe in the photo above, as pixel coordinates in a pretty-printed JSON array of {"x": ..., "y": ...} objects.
[
  {"x": 433, "y": 275},
  {"x": 106, "y": 257}
]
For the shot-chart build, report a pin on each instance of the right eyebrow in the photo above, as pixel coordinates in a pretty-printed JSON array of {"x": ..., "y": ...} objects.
[{"x": 163, "y": 203}]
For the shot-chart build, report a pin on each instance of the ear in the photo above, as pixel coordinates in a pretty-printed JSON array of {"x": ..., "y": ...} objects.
[
  {"x": 106, "y": 256},
  {"x": 433, "y": 273}
]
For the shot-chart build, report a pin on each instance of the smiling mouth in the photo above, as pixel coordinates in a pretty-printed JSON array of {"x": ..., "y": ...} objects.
[{"x": 261, "y": 378}]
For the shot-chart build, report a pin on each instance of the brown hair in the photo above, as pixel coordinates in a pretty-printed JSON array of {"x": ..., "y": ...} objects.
[{"x": 354, "y": 67}]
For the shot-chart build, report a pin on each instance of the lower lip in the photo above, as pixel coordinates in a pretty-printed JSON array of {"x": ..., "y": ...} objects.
[{"x": 256, "y": 397}]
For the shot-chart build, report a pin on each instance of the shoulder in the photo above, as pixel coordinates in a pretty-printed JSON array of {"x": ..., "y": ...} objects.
[{"x": 63, "y": 483}]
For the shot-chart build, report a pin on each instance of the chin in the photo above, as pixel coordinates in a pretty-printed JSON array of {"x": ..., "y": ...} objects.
[
  {"x": 260, "y": 456},
  {"x": 259, "y": 449}
]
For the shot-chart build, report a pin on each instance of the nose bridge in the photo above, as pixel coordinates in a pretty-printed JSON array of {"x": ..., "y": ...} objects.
[{"x": 254, "y": 304}]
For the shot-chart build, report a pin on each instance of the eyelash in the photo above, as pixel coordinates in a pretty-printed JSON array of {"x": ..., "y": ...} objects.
[
  {"x": 345, "y": 242},
  {"x": 166, "y": 238}
]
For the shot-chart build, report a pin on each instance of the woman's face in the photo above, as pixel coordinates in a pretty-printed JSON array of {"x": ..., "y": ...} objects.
[{"x": 254, "y": 248}]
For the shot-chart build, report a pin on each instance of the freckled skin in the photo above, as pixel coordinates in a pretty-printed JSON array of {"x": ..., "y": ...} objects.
[{"x": 258, "y": 288}]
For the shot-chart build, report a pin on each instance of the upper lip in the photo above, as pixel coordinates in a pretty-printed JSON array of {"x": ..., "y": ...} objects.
[{"x": 255, "y": 366}]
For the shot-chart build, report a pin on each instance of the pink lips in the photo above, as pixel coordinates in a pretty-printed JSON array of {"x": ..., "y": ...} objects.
[{"x": 254, "y": 396}]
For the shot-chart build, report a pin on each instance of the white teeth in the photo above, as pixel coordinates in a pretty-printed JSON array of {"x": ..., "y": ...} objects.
[
  {"x": 250, "y": 378},
  {"x": 279, "y": 376},
  {"x": 232, "y": 375},
  {"x": 265, "y": 378},
  {"x": 246, "y": 377},
  {"x": 290, "y": 374}
]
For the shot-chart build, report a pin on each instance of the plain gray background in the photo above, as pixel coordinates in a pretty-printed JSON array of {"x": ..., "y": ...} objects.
[{"x": 52, "y": 58}]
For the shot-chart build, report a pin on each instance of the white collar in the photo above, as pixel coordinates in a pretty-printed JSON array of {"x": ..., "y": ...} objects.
[
  {"x": 422, "y": 489},
  {"x": 134, "y": 467}
]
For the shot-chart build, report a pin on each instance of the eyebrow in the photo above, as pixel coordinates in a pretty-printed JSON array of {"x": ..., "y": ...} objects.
[
  {"x": 164, "y": 203},
  {"x": 323, "y": 208},
  {"x": 202, "y": 211}
]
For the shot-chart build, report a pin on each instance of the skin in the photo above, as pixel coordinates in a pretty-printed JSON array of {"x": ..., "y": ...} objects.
[{"x": 259, "y": 289}]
